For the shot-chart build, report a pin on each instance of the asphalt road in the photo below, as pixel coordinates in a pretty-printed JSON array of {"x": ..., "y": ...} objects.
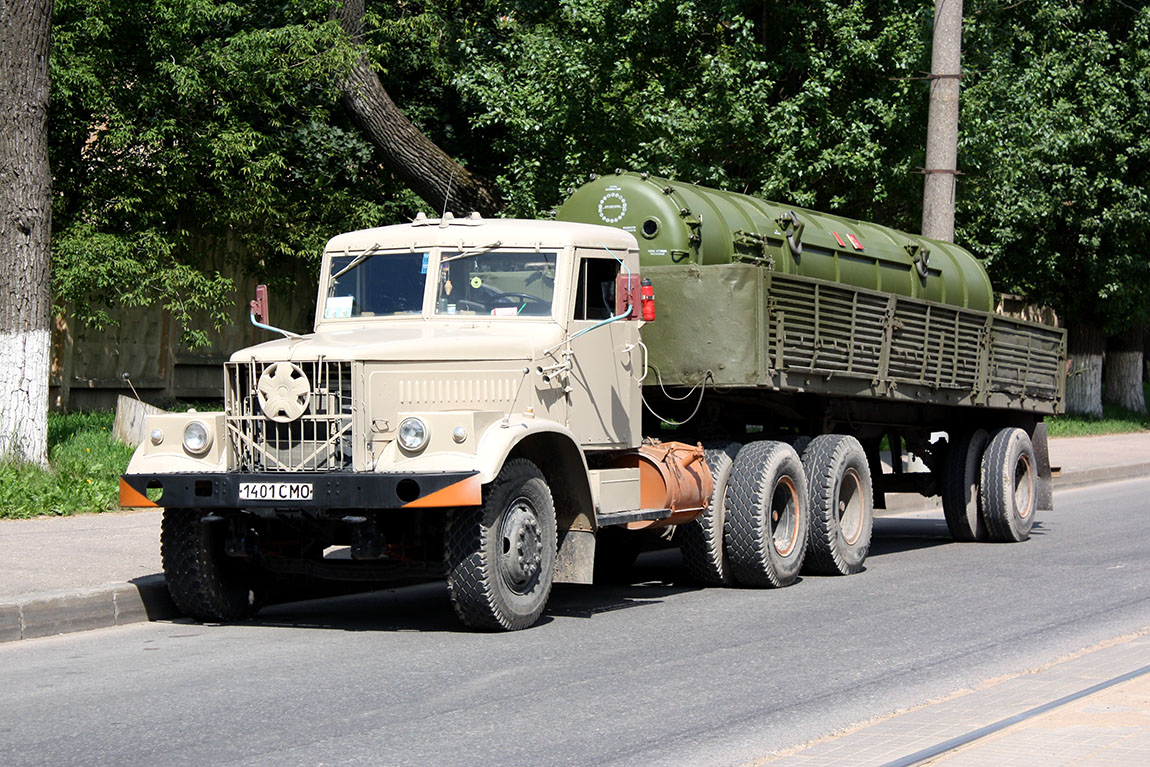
[{"x": 657, "y": 672}]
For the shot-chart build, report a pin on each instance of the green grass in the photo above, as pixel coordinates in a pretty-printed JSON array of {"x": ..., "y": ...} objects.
[
  {"x": 86, "y": 464},
  {"x": 1114, "y": 420}
]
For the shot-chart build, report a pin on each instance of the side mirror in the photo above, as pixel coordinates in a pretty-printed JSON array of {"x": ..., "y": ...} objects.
[{"x": 259, "y": 307}]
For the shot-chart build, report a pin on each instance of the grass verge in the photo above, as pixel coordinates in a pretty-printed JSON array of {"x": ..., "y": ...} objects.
[
  {"x": 86, "y": 464},
  {"x": 1114, "y": 420}
]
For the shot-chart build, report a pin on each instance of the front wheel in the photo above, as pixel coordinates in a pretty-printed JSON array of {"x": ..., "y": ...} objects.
[
  {"x": 205, "y": 583},
  {"x": 501, "y": 556}
]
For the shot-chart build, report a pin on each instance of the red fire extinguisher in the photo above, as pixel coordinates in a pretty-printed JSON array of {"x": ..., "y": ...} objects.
[{"x": 647, "y": 300}]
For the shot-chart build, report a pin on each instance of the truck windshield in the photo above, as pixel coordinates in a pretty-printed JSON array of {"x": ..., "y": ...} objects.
[
  {"x": 496, "y": 283},
  {"x": 372, "y": 284}
]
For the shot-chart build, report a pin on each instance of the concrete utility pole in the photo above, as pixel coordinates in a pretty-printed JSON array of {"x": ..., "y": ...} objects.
[{"x": 942, "y": 122}]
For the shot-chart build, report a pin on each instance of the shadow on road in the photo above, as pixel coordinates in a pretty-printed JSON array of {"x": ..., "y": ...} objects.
[
  {"x": 425, "y": 607},
  {"x": 893, "y": 535}
]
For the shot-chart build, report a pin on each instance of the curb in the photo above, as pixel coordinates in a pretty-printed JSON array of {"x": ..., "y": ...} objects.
[
  {"x": 63, "y": 612},
  {"x": 147, "y": 598},
  {"x": 1097, "y": 476}
]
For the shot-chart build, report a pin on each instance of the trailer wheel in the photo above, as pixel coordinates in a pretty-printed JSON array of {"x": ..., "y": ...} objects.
[
  {"x": 841, "y": 505},
  {"x": 205, "y": 583},
  {"x": 766, "y": 530},
  {"x": 701, "y": 540},
  {"x": 961, "y": 483},
  {"x": 1009, "y": 486},
  {"x": 500, "y": 556}
]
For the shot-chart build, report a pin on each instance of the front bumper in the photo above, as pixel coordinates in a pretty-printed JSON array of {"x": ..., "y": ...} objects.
[{"x": 335, "y": 490}]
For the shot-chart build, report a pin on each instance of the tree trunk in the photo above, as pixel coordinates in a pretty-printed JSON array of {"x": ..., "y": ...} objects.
[
  {"x": 1123, "y": 371},
  {"x": 439, "y": 180},
  {"x": 25, "y": 230},
  {"x": 1146, "y": 353},
  {"x": 1085, "y": 342},
  {"x": 942, "y": 122}
]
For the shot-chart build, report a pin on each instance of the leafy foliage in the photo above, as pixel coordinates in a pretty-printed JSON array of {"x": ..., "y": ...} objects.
[
  {"x": 797, "y": 101},
  {"x": 1056, "y": 143},
  {"x": 193, "y": 134},
  {"x": 189, "y": 134}
]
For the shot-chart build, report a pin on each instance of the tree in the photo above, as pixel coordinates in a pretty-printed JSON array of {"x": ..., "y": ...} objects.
[
  {"x": 25, "y": 229},
  {"x": 806, "y": 101},
  {"x": 1055, "y": 141},
  {"x": 1123, "y": 370},
  {"x": 425, "y": 168},
  {"x": 182, "y": 128}
]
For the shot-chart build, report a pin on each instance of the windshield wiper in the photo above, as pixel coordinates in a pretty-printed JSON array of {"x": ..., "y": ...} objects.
[
  {"x": 356, "y": 262},
  {"x": 472, "y": 253}
]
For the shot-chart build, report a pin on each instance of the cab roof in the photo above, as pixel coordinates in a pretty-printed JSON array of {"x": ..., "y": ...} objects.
[{"x": 474, "y": 232}]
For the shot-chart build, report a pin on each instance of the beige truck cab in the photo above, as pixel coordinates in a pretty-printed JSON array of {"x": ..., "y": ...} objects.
[{"x": 468, "y": 404}]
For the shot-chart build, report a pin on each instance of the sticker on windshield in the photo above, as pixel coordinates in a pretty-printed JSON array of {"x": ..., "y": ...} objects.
[
  {"x": 423, "y": 269},
  {"x": 338, "y": 307},
  {"x": 476, "y": 282}
]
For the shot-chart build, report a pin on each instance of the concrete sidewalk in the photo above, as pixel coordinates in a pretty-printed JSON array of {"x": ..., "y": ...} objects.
[
  {"x": 1092, "y": 708},
  {"x": 61, "y": 574}
]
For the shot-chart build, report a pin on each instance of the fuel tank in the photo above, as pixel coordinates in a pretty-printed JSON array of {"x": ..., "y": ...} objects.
[{"x": 678, "y": 223}]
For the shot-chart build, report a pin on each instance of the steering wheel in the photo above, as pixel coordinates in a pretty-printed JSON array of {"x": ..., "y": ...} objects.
[
  {"x": 524, "y": 299},
  {"x": 475, "y": 306}
]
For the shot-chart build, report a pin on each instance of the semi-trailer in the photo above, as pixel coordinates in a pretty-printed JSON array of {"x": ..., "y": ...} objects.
[{"x": 505, "y": 402}]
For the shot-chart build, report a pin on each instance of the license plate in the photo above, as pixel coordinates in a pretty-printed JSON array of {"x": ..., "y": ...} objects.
[{"x": 275, "y": 491}]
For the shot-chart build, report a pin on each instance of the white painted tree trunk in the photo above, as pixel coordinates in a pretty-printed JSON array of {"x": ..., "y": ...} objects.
[
  {"x": 1084, "y": 384},
  {"x": 25, "y": 230},
  {"x": 1122, "y": 374}
]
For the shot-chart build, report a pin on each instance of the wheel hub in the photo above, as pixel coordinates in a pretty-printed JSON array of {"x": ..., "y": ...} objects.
[{"x": 522, "y": 545}]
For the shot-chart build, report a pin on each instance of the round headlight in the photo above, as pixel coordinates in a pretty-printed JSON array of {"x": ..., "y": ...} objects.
[
  {"x": 197, "y": 438},
  {"x": 412, "y": 434},
  {"x": 157, "y": 436}
]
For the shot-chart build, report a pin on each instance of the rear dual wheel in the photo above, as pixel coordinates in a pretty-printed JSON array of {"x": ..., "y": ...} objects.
[
  {"x": 990, "y": 486},
  {"x": 1009, "y": 486},
  {"x": 962, "y": 479},
  {"x": 766, "y": 508},
  {"x": 841, "y": 505},
  {"x": 701, "y": 540}
]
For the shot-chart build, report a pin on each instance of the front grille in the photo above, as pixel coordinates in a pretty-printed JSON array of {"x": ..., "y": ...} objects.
[{"x": 318, "y": 440}]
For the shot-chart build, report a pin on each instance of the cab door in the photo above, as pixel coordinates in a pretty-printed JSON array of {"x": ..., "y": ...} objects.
[{"x": 606, "y": 360}]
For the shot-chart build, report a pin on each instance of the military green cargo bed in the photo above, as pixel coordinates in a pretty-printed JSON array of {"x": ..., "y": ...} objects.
[{"x": 749, "y": 326}]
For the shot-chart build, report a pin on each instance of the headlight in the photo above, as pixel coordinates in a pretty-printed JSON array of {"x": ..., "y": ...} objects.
[
  {"x": 197, "y": 438},
  {"x": 412, "y": 434}
]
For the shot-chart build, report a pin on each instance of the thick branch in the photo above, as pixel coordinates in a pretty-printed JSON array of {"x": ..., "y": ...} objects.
[{"x": 428, "y": 170}]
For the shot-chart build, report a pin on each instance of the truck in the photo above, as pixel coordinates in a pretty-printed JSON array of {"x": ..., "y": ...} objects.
[{"x": 510, "y": 404}]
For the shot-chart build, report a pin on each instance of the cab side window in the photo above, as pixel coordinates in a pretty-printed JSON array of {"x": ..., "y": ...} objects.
[{"x": 595, "y": 295}]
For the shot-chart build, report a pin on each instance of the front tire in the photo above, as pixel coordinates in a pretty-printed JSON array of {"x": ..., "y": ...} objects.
[
  {"x": 841, "y": 505},
  {"x": 1009, "y": 486},
  {"x": 766, "y": 531},
  {"x": 501, "y": 556},
  {"x": 205, "y": 583}
]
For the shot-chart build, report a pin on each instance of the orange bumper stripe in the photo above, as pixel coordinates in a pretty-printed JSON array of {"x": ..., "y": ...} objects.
[
  {"x": 466, "y": 492},
  {"x": 131, "y": 498}
]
